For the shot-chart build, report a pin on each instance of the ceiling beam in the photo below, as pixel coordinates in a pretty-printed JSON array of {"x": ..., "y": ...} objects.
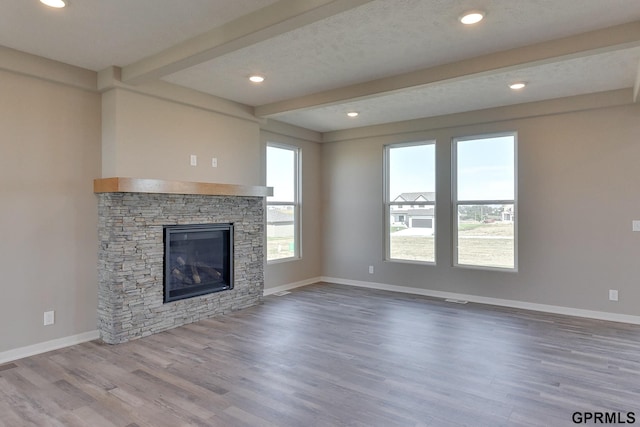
[
  {"x": 590, "y": 101},
  {"x": 586, "y": 44},
  {"x": 268, "y": 22}
]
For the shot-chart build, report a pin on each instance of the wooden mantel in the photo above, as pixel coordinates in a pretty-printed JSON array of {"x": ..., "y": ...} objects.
[{"x": 158, "y": 186}]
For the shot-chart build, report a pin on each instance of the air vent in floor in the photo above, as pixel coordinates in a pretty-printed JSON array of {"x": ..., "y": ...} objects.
[
  {"x": 281, "y": 293},
  {"x": 456, "y": 301}
]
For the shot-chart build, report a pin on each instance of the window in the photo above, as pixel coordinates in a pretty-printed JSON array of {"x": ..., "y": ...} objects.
[
  {"x": 484, "y": 197},
  {"x": 410, "y": 177},
  {"x": 283, "y": 208}
]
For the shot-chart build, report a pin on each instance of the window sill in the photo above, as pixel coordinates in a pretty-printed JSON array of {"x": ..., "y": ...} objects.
[
  {"x": 410, "y": 261},
  {"x": 486, "y": 268},
  {"x": 283, "y": 260}
]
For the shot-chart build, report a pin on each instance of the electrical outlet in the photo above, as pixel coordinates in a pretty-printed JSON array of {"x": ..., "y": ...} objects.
[
  {"x": 214, "y": 162},
  {"x": 193, "y": 160},
  {"x": 613, "y": 295},
  {"x": 49, "y": 318},
  {"x": 371, "y": 269}
]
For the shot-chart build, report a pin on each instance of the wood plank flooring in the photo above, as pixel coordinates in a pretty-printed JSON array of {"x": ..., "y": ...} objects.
[{"x": 330, "y": 355}]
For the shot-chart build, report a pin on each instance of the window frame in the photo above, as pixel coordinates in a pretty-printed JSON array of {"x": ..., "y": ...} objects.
[
  {"x": 455, "y": 203},
  {"x": 387, "y": 202},
  {"x": 297, "y": 202}
]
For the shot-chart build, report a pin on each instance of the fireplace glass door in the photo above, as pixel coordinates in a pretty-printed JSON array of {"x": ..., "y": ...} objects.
[{"x": 198, "y": 259}]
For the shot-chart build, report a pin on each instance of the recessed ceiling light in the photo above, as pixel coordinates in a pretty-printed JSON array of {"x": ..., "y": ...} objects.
[
  {"x": 58, "y": 4},
  {"x": 517, "y": 86},
  {"x": 352, "y": 114},
  {"x": 472, "y": 17},
  {"x": 256, "y": 78}
]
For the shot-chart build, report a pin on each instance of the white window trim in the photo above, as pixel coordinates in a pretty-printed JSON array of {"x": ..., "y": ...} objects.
[
  {"x": 297, "y": 203},
  {"x": 387, "y": 202},
  {"x": 455, "y": 202}
]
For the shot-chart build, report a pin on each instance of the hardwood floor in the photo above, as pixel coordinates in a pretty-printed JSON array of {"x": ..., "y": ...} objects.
[{"x": 329, "y": 355}]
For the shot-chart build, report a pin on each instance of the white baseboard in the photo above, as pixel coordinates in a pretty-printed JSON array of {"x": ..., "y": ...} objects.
[
  {"x": 32, "y": 350},
  {"x": 545, "y": 308},
  {"x": 43, "y": 347},
  {"x": 269, "y": 291}
]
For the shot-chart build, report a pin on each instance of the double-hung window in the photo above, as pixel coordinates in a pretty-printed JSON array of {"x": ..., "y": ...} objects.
[
  {"x": 283, "y": 208},
  {"x": 484, "y": 198},
  {"x": 410, "y": 201}
]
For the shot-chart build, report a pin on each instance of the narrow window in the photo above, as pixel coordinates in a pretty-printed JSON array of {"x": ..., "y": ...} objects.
[
  {"x": 283, "y": 208},
  {"x": 410, "y": 178},
  {"x": 484, "y": 197}
]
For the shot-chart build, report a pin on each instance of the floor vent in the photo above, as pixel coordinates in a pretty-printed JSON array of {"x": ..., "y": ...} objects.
[
  {"x": 281, "y": 293},
  {"x": 456, "y": 301}
]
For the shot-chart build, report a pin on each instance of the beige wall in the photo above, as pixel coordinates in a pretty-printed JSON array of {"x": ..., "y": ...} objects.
[
  {"x": 52, "y": 120},
  {"x": 50, "y": 153},
  {"x": 149, "y": 137},
  {"x": 309, "y": 265},
  {"x": 578, "y": 176}
]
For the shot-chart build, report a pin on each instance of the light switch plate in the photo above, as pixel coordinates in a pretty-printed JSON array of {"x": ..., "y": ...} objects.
[
  {"x": 49, "y": 318},
  {"x": 635, "y": 225},
  {"x": 193, "y": 159}
]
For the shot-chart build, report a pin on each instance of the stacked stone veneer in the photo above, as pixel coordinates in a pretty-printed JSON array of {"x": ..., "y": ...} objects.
[{"x": 130, "y": 260}]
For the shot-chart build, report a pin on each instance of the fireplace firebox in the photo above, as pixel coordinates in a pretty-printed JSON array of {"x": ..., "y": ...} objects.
[{"x": 198, "y": 260}]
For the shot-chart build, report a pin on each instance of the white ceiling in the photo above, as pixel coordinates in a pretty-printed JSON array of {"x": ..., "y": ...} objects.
[
  {"x": 96, "y": 34},
  {"x": 391, "y": 60}
]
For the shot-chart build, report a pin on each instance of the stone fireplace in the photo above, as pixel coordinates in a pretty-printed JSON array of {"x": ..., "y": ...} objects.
[{"x": 133, "y": 218}]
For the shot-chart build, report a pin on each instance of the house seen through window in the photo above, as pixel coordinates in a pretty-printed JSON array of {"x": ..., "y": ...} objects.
[{"x": 410, "y": 201}]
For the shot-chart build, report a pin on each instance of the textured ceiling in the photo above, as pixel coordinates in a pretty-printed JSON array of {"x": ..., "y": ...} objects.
[
  {"x": 597, "y": 73},
  {"x": 322, "y": 58},
  {"x": 96, "y": 34},
  {"x": 388, "y": 37}
]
